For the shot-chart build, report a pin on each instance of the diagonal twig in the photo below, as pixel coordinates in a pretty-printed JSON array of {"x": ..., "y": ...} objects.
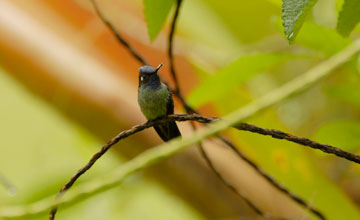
[
  {"x": 170, "y": 48},
  {"x": 133, "y": 52},
  {"x": 271, "y": 180},
  {"x": 102, "y": 151},
  {"x": 227, "y": 183},
  {"x": 300, "y": 140},
  {"x": 230, "y": 186}
]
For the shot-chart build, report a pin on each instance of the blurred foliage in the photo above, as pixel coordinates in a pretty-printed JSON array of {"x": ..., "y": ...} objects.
[
  {"x": 346, "y": 93},
  {"x": 218, "y": 85},
  {"x": 321, "y": 39}
]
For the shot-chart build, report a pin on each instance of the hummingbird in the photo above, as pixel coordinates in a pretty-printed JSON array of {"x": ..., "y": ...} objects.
[{"x": 155, "y": 100}]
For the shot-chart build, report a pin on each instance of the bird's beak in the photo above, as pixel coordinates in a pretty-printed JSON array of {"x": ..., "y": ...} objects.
[{"x": 160, "y": 65}]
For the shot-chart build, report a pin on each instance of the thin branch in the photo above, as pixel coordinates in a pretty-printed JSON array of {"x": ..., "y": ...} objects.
[
  {"x": 300, "y": 140},
  {"x": 177, "y": 91},
  {"x": 267, "y": 177},
  {"x": 224, "y": 181},
  {"x": 271, "y": 180},
  {"x": 102, "y": 151},
  {"x": 109, "y": 144},
  {"x": 273, "y": 133},
  {"x": 230, "y": 186},
  {"x": 170, "y": 47},
  {"x": 133, "y": 52}
]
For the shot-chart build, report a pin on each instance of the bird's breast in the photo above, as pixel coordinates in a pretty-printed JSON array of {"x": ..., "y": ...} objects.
[{"x": 153, "y": 101}]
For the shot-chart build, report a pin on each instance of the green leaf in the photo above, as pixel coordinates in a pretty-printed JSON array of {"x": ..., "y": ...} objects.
[
  {"x": 233, "y": 75},
  {"x": 347, "y": 93},
  {"x": 342, "y": 134},
  {"x": 321, "y": 38},
  {"x": 293, "y": 16},
  {"x": 156, "y": 12},
  {"x": 349, "y": 16}
]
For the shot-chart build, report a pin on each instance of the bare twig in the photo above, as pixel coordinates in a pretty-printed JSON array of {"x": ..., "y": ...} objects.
[
  {"x": 176, "y": 91},
  {"x": 230, "y": 186},
  {"x": 271, "y": 180},
  {"x": 110, "y": 143},
  {"x": 300, "y": 140},
  {"x": 170, "y": 47},
  {"x": 273, "y": 133},
  {"x": 133, "y": 52},
  {"x": 267, "y": 177},
  {"x": 101, "y": 152},
  {"x": 225, "y": 182},
  {"x": 113, "y": 141}
]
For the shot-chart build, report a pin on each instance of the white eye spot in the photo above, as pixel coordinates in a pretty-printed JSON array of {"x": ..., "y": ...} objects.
[{"x": 141, "y": 78}]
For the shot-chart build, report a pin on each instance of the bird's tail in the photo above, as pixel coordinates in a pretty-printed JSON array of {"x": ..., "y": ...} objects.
[{"x": 168, "y": 131}]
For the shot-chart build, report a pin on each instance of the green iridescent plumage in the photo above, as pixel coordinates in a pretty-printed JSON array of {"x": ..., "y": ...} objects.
[{"x": 153, "y": 101}]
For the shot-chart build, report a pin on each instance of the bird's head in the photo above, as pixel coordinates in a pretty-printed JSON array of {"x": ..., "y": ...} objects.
[{"x": 148, "y": 75}]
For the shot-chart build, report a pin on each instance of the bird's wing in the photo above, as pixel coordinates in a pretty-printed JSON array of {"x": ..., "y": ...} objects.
[
  {"x": 170, "y": 104},
  {"x": 173, "y": 129},
  {"x": 169, "y": 130}
]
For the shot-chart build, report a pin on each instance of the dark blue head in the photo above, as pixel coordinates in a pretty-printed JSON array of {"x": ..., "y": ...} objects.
[
  {"x": 147, "y": 70},
  {"x": 148, "y": 76}
]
